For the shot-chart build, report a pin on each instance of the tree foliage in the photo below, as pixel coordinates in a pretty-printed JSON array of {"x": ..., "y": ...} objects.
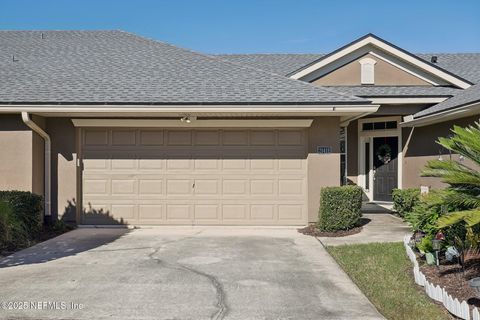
[{"x": 463, "y": 191}]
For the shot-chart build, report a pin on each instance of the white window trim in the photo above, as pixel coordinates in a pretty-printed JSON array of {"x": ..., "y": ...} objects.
[{"x": 367, "y": 136}]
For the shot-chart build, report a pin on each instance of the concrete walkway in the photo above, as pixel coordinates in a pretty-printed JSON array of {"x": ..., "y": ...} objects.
[
  {"x": 180, "y": 273},
  {"x": 382, "y": 227}
]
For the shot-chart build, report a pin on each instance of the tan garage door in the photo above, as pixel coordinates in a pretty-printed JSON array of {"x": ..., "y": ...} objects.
[{"x": 218, "y": 176}]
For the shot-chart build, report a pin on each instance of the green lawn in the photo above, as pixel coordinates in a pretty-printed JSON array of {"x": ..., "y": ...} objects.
[{"x": 383, "y": 272}]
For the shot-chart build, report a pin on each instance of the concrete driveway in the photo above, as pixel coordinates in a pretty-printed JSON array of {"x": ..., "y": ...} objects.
[{"x": 179, "y": 273}]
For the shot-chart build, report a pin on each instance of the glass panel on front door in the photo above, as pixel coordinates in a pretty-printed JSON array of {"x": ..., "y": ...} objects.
[{"x": 367, "y": 166}]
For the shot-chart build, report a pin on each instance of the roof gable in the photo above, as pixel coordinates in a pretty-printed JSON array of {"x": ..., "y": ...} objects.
[{"x": 385, "y": 50}]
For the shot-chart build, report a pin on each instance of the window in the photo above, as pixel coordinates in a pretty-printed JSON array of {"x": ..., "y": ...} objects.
[
  {"x": 343, "y": 156},
  {"x": 367, "y": 71},
  {"x": 379, "y": 125}
]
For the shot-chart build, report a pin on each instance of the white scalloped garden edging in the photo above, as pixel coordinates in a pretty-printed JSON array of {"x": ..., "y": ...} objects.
[{"x": 455, "y": 307}]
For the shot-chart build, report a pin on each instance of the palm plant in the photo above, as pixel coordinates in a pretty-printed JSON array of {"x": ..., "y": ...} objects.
[{"x": 463, "y": 191}]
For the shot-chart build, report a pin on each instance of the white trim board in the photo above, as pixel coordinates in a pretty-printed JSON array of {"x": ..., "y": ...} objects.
[
  {"x": 456, "y": 113},
  {"x": 152, "y": 123},
  {"x": 384, "y": 46},
  {"x": 405, "y": 100}
]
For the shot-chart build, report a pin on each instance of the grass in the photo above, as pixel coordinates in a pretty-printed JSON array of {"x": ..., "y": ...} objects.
[{"x": 383, "y": 273}]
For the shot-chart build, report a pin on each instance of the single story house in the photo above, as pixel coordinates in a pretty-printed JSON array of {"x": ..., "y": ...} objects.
[{"x": 112, "y": 127}]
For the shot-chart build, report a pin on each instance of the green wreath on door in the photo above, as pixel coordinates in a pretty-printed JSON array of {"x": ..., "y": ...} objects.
[{"x": 384, "y": 153}]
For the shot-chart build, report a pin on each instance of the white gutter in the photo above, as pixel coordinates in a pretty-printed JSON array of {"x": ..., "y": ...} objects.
[
  {"x": 35, "y": 128},
  {"x": 164, "y": 109},
  {"x": 452, "y": 114}
]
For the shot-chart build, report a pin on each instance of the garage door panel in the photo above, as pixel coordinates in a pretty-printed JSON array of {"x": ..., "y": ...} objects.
[
  {"x": 150, "y": 162},
  {"x": 262, "y": 212},
  {"x": 235, "y": 138},
  {"x": 178, "y": 187},
  {"x": 207, "y": 186},
  {"x": 178, "y": 212},
  {"x": 262, "y": 137},
  {"x": 123, "y": 186},
  {"x": 151, "y": 137},
  {"x": 95, "y": 186},
  {"x": 231, "y": 162},
  {"x": 204, "y": 163},
  {"x": 94, "y": 161},
  {"x": 123, "y": 161},
  {"x": 262, "y": 164},
  {"x": 207, "y": 138},
  {"x": 124, "y": 211},
  {"x": 207, "y": 212},
  {"x": 179, "y": 137},
  {"x": 150, "y": 186},
  {"x": 234, "y": 212},
  {"x": 285, "y": 164},
  {"x": 207, "y": 176},
  {"x": 124, "y": 137},
  {"x": 95, "y": 137},
  {"x": 235, "y": 186},
  {"x": 151, "y": 212},
  {"x": 179, "y": 163},
  {"x": 262, "y": 187}
]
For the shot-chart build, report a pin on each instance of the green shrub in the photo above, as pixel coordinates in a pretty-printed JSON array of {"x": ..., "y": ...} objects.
[
  {"x": 27, "y": 208},
  {"x": 425, "y": 245},
  {"x": 340, "y": 208},
  {"x": 423, "y": 218},
  {"x": 13, "y": 233},
  {"x": 404, "y": 200}
]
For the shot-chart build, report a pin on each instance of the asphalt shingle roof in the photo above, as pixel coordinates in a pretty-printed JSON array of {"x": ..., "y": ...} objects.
[
  {"x": 396, "y": 91},
  {"x": 465, "y": 97},
  {"x": 281, "y": 64},
  {"x": 118, "y": 67},
  {"x": 465, "y": 65}
]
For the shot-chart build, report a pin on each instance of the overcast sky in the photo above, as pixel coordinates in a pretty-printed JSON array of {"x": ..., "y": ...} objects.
[{"x": 263, "y": 26}]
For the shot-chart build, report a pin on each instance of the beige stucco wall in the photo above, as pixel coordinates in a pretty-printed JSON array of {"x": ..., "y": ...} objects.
[
  {"x": 385, "y": 74},
  {"x": 323, "y": 169},
  {"x": 22, "y": 159},
  {"x": 16, "y": 171},
  {"x": 420, "y": 147},
  {"x": 64, "y": 158},
  {"x": 38, "y": 158}
]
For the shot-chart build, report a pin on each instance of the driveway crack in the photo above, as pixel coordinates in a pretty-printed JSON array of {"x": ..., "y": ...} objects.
[{"x": 222, "y": 307}]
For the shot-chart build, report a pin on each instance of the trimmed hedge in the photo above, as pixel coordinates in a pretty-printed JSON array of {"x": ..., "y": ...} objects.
[
  {"x": 340, "y": 208},
  {"x": 13, "y": 234},
  {"x": 404, "y": 200},
  {"x": 21, "y": 218}
]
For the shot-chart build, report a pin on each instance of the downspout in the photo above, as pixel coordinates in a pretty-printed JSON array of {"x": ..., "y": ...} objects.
[{"x": 47, "y": 189}]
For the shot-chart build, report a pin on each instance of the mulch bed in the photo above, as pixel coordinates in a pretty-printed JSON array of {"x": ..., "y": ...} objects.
[
  {"x": 312, "y": 230},
  {"x": 452, "y": 277}
]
